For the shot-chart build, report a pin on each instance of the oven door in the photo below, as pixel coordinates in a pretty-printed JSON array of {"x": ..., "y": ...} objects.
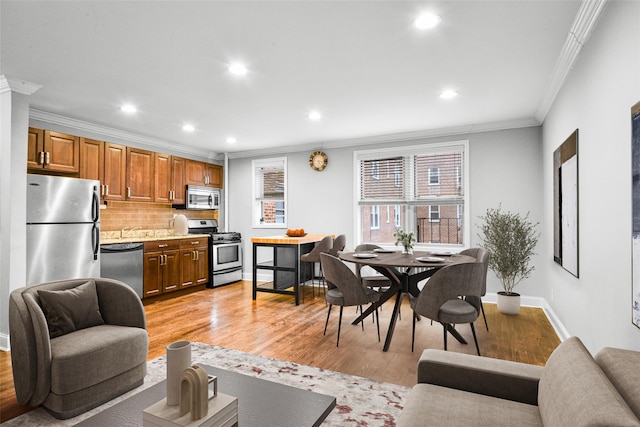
[{"x": 225, "y": 256}]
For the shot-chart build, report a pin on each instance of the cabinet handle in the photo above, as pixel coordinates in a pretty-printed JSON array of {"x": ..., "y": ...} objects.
[
  {"x": 197, "y": 242},
  {"x": 41, "y": 158},
  {"x": 197, "y": 256},
  {"x": 193, "y": 255},
  {"x": 161, "y": 259},
  {"x": 107, "y": 190},
  {"x": 129, "y": 192},
  {"x": 163, "y": 246},
  {"x": 165, "y": 259},
  {"x": 47, "y": 158}
]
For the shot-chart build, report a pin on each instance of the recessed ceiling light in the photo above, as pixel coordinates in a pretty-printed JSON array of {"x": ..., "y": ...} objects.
[
  {"x": 426, "y": 20},
  {"x": 188, "y": 128},
  {"x": 314, "y": 115},
  {"x": 238, "y": 69},
  {"x": 231, "y": 140},
  {"x": 448, "y": 94},
  {"x": 128, "y": 108}
]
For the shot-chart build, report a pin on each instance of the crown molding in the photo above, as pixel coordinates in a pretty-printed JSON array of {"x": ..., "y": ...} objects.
[
  {"x": 16, "y": 85},
  {"x": 390, "y": 138},
  {"x": 108, "y": 132},
  {"x": 581, "y": 29}
]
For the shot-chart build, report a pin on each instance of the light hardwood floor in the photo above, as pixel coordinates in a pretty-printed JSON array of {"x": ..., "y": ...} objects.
[{"x": 274, "y": 326}]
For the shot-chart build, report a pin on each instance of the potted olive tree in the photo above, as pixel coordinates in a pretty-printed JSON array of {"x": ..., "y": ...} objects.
[{"x": 510, "y": 239}]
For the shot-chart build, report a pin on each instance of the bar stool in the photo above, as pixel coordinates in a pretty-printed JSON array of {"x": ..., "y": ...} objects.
[{"x": 324, "y": 246}]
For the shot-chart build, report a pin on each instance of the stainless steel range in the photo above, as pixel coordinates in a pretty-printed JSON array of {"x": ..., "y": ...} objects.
[{"x": 225, "y": 251}]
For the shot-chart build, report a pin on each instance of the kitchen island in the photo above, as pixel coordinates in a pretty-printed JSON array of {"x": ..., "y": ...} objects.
[{"x": 281, "y": 255}]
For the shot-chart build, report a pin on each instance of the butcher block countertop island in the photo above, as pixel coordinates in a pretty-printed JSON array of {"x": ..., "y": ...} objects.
[{"x": 280, "y": 256}]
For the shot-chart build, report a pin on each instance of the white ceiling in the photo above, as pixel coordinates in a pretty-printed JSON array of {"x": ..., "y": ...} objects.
[{"x": 360, "y": 63}]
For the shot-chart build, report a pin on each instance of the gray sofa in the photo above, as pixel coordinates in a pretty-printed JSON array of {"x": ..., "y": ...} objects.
[
  {"x": 76, "y": 344},
  {"x": 572, "y": 389}
]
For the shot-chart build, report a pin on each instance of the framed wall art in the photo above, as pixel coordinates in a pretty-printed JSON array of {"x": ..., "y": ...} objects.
[
  {"x": 565, "y": 195},
  {"x": 635, "y": 231}
]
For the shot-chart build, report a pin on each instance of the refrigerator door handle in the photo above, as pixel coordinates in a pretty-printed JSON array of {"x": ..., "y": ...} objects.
[
  {"x": 95, "y": 240},
  {"x": 95, "y": 206}
]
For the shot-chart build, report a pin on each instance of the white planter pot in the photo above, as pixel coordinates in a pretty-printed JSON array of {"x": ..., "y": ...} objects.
[{"x": 508, "y": 303}]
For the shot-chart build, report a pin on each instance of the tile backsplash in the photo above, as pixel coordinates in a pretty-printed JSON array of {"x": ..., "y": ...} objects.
[{"x": 115, "y": 215}]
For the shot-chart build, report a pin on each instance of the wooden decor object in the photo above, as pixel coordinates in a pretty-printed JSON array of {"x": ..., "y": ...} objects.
[{"x": 193, "y": 392}]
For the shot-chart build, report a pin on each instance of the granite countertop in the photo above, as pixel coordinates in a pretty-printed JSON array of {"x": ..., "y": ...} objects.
[{"x": 130, "y": 236}]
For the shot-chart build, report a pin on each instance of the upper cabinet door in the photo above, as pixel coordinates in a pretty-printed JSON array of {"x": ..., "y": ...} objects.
[
  {"x": 62, "y": 152},
  {"x": 195, "y": 173},
  {"x": 178, "y": 166},
  {"x": 35, "y": 148},
  {"x": 214, "y": 175},
  {"x": 92, "y": 160},
  {"x": 115, "y": 171},
  {"x": 162, "y": 164},
  {"x": 140, "y": 173}
]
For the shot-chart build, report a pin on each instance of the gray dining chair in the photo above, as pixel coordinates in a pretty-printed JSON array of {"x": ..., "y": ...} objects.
[
  {"x": 312, "y": 257},
  {"x": 481, "y": 255},
  {"x": 344, "y": 289},
  {"x": 370, "y": 281},
  {"x": 446, "y": 298},
  {"x": 338, "y": 244}
]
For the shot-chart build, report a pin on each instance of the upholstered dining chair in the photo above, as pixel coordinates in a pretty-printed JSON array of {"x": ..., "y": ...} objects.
[
  {"x": 445, "y": 298},
  {"x": 76, "y": 344},
  {"x": 312, "y": 257},
  {"x": 370, "y": 281},
  {"x": 344, "y": 289},
  {"x": 481, "y": 255},
  {"x": 338, "y": 244}
]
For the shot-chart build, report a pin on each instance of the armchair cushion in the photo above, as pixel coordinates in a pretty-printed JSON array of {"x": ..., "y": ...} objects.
[{"x": 71, "y": 309}]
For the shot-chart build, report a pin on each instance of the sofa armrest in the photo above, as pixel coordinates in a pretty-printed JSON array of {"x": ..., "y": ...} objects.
[
  {"x": 491, "y": 377},
  {"x": 119, "y": 304}
]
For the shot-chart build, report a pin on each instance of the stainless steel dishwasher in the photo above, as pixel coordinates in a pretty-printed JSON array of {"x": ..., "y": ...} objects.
[{"x": 124, "y": 262}]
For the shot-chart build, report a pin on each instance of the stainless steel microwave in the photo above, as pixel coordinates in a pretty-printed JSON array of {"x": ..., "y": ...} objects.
[{"x": 199, "y": 197}]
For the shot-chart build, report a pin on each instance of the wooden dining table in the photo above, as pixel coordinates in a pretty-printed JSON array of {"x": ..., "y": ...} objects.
[{"x": 404, "y": 271}]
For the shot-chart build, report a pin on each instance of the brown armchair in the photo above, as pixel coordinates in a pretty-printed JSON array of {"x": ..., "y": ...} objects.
[{"x": 76, "y": 344}]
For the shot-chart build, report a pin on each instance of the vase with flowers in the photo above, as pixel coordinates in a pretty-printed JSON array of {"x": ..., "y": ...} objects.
[{"x": 405, "y": 239}]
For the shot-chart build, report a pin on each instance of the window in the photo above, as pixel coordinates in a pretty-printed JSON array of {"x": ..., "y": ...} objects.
[
  {"x": 434, "y": 214},
  {"x": 375, "y": 217},
  {"x": 434, "y": 176},
  {"x": 375, "y": 169},
  {"x": 426, "y": 192},
  {"x": 396, "y": 216},
  {"x": 270, "y": 192}
]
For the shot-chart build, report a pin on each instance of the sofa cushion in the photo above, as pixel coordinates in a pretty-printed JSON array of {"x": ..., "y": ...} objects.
[
  {"x": 574, "y": 391},
  {"x": 432, "y": 405},
  {"x": 89, "y": 356},
  {"x": 72, "y": 309},
  {"x": 621, "y": 367}
]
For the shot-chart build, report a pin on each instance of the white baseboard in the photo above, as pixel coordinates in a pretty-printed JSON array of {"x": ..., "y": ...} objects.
[
  {"x": 4, "y": 342},
  {"x": 538, "y": 302}
]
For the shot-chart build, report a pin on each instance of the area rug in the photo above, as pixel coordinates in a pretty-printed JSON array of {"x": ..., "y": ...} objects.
[{"x": 360, "y": 401}]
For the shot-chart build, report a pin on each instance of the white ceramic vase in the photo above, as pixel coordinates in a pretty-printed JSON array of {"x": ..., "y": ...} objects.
[
  {"x": 508, "y": 303},
  {"x": 178, "y": 359}
]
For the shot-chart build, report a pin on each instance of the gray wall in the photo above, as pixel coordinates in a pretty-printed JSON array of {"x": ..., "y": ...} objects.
[
  {"x": 596, "y": 99},
  {"x": 504, "y": 168}
]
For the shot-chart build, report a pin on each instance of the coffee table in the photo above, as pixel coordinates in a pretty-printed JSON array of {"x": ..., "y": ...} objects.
[{"x": 260, "y": 403}]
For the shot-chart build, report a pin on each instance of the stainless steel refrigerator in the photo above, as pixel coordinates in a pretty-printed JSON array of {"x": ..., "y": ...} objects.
[{"x": 63, "y": 228}]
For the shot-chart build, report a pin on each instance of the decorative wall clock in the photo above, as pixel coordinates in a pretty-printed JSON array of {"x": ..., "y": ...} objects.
[{"x": 318, "y": 160}]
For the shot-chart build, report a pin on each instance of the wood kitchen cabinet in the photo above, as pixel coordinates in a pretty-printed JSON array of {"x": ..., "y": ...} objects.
[
  {"x": 105, "y": 162},
  {"x": 214, "y": 175},
  {"x": 201, "y": 173},
  {"x": 169, "y": 178},
  {"x": 53, "y": 152},
  {"x": 161, "y": 267},
  {"x": 140, "y": 175},
  {"x": 194, "y": 262}
]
